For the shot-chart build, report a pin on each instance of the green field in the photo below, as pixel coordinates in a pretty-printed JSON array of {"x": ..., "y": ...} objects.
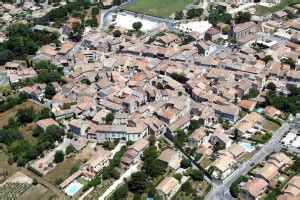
[
  {"x": 159, "y": 8},
  {"x": 262, "y": 10}
]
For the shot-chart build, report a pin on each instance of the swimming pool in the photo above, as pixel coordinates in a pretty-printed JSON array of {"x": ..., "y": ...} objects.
[
  {"x": 248, "y": 147},
  {"x": 260, "y": 110},
  {"x": 73, "y": 188}
]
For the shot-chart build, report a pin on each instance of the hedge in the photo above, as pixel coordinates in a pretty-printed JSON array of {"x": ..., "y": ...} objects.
[{"x": 35, "y": 171}]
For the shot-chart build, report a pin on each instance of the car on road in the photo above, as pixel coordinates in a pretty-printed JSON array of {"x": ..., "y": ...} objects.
[{"x": 252, "y": 164}]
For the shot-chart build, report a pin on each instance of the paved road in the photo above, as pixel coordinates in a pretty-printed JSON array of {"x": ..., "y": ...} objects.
[
  {"x": 220, "y": 191},
  {"x": 117, "y": 183}
]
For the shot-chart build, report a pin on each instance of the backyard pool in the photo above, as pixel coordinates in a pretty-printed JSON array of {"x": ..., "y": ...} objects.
[
  {"x": 73, "y": 188},
  {"x": 248, "y": 147},
  {"x": 260, "y": 110}
]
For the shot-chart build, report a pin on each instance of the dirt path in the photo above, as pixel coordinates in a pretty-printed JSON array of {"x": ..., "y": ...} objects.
[{"x": 48, "y": 185}]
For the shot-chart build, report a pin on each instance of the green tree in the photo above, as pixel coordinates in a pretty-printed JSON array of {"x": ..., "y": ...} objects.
[
  {"x": 180, "y": 77},
  {"x": 93, "y": 22},
  {"x": 77, "y": 32},
  {"x": 121, "y": 193},
  {"x": 267, "y": 58},
  {"x": 25, "y": 115},
  {"x": 187, "y": 187},
  {"x": 58, "y": 156},
  {"x": 271, "y": 86},
  {"x": 197, "y": 175},
  {"x": 70, "y": 149},
  {"x": 226, "y": 29},
  {"x": 50, "y": 91},
  {"x": 194, "y": 12},
  {"x": 178, "y": 176},
  {"x": 218, "y": 147},
  {"x": 109, "y": 118},
  {"x": 137, "y": 26},
  {"x": 179, "y": 15},
  {"x": 243, "y": 17},
  {"x": 194, "y": 124},
  {"x": 289, "y": 61},
  {"x": 45, "y": 113},
  {"x": 5, "y": 56},
  {"x": 138, "y": 182},
  {"x": 37, "y": 131},
  {"x": 117, "y": 33},
  {"x": 180, "y": 138},
  {"x": 95, "y": 11},
  {"x": 185, "y": 163},
  {"x": 154, "y": 167}
]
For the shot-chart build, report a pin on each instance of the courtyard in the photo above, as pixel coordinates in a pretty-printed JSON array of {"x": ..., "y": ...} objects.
[{"x": 159, "y": 8}]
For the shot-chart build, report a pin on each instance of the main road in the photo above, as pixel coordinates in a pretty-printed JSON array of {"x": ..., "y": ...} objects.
[{"x": 219, "y": 191}]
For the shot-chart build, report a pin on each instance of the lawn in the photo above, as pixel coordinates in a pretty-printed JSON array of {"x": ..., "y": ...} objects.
[
  {"x": 62, "y": 170},
  {"x": 262, "y": 10},
  {"x": 260, "y": 138},
  {"x": 270, "y": 126},
  {"x": 247, "y": 156},
  {"x": 159, "y": 8}
]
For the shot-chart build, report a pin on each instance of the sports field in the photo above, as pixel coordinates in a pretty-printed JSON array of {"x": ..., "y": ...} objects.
[{"x": 159, "y": 8}]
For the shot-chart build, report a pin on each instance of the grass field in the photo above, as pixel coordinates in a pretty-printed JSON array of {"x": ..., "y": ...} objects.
[
  {"x": 262, "y": 10},
  {"x": 4, "y": 117},
  {"x": 62, "y": 170},
  {"x": 27, "y": 133},
  {"x": 159, "y": 8},
  {"x": 270, "y": 126},
  {"x": 5, "y": 167}
]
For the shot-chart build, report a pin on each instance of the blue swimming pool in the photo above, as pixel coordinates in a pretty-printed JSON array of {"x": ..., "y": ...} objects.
[
  {"x": 260, "y": 110},
  {"x": 73, "y": 188},
  {"x": 248, "y": 147}
]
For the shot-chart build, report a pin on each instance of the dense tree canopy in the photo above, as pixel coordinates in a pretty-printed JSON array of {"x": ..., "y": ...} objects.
[
  {"x": 50, "y": 91},
  {"x": 22, "y": 41},
  {"x": 58, "y": 156},
  {"x": 194, "y": 12},
  {"x": 77, "y": 32},
  {"x": 287, "y": 103},
  {"x": 138, "y": 182},
  {"x": 216, "y": 16},
  {"x": 242, "y": 17}
]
